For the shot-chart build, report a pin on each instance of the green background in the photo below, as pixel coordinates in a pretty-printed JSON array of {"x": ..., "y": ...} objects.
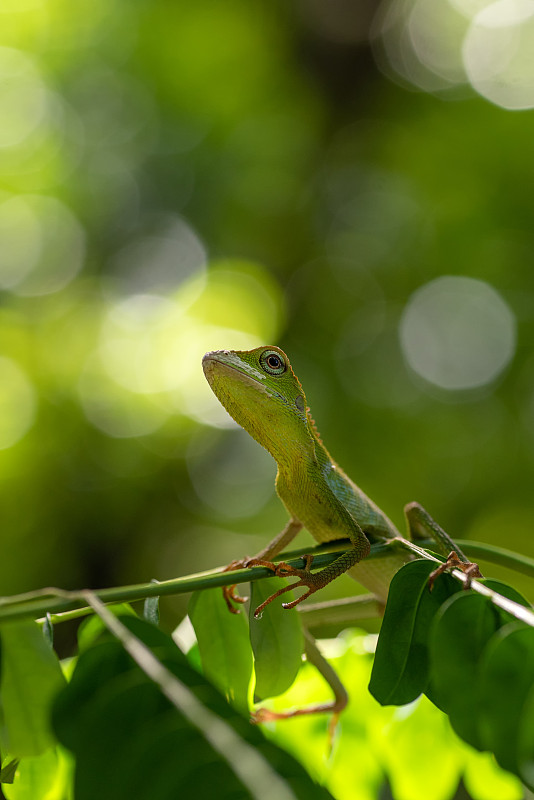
[{"x": 180, "y": 177}]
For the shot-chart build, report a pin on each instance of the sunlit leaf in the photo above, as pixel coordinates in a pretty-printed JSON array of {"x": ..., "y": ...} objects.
[
  {"x": 223, "y": 644},
  {"x": 31, "y": 678},
  {"x": 276, "y": 639},
  {"x": 423, "y": 758},
  {"x": 485, "y": 780},
  {"x": 44, "y": 777}
]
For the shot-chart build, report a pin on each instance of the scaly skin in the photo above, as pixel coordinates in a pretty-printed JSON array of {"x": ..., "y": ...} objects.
[{"x": 260, "y": 391}]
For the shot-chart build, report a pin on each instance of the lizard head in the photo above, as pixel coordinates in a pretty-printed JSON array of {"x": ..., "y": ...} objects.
[{"x": 261, "y": 392}]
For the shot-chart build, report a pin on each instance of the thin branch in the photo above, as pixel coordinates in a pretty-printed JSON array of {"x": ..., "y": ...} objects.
[
  {"x": 515, "y": 609},
  {"x": 64, "y": 605}
]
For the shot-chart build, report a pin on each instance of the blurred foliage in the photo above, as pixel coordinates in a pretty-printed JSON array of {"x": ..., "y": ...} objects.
[
  {"x": 181, "y": 177},
  {"x": 176, "y": 178},
  {"x": 411, "y": 750}
]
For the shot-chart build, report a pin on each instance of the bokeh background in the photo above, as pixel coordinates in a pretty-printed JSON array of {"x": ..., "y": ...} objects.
[{"x": 352, "y": 182}]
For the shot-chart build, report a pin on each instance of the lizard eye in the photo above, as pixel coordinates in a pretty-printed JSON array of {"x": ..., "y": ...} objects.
[{"x": 272, "y": 362}]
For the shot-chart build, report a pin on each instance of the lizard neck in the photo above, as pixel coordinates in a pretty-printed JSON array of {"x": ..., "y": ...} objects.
[{"x": 305, "y": 457}]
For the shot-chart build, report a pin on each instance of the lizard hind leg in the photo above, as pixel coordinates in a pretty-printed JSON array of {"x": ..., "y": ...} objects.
[
  {"x": 422, "y": 526},
  {"x": 334, "y": 706}
]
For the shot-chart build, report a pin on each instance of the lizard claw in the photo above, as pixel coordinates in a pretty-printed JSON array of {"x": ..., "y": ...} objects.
[
  {"x": 283, "y": 570},
  {"x": 229, "y": 592},
  {"x": 469, "y": 568},
  {"x": 230, "y": 596}
]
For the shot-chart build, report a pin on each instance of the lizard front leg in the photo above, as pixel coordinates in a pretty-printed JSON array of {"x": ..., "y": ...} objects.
[
  {"x": 315, "y": 581},
  {"x": 265, "y": 556}
]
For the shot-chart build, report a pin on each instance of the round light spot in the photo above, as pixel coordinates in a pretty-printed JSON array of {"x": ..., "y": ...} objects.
[
  {"x": 17, "y": 403},
  {"x": 457, "y": 333},
  {"x": 135, "y": 335},
  {"x": 418, "y": 41},
  {"x": 20, "y": 234},
  {"x": 113, "y": 409},
  {"x": 230, "y": 467},
  {"x": 161, "y": 260},
  {"x": 22, "y": 97},
  {"x": 498, "y": 53},
  {"x": 436, "y": 31},
  {"x": 43, "y": 245}
]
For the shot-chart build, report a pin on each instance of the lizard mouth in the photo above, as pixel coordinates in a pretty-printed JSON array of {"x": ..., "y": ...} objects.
[{"x": 220, "y": 362}]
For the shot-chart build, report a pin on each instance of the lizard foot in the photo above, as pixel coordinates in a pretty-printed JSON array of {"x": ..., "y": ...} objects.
[
  {"x": 335, "y": 707},
  {"x": 229, "y": 592},
  {"x": 283, "y": 570},
  {"x": 469, "y": 568},
  {"x": 266, "y": 715}
]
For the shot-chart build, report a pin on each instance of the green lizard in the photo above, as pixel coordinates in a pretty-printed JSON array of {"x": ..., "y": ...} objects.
[{"x": 260, "y": 391}]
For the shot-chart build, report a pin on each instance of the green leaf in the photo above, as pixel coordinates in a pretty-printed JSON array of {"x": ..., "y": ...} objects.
[
  {"x": 420, "y": 755},
  {"x": 401, "y": 667},
  {"x": 223, "y": 644},
  {"x": 462, "y": 628},
  {"x": 506, "y": 685},
  {"x": 130, "y": 741},
  {"x": 525, "y": 744},
  {"x": 485, "y": 780},
  {"x": 44, "y": 777},
  {"x": 31, "y": 678},
  {"x": 92, "y": 627},
  {"x": 461, "y": 631},
  {"x": 7, "y": 773},
  {"x": 277, "y": 640},
  {"x": 506, "y": 591}
]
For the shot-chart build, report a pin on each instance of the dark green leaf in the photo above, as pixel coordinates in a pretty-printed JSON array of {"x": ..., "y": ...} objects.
[
  {"x": 223, "y": 644},
  {"x": 461, "y": 631},
  {"x": 31, "y": 677},
  {"x": 129, "y": 741},
  {"x": 276, "y": 639},
  {"x": 506, "y": 683},
  {"x": 525, "y": 749},
  {"x": 7, "y": 773},
  {"x": 506, "y": 591},
  {"x": 401, "y": 666}
]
